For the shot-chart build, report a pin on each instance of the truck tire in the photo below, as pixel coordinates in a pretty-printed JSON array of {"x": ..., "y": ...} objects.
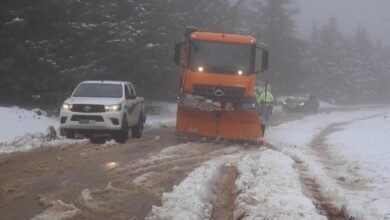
[
  {"x": 123, "y": 133},
  {"x": 136, "y": 131},
  {"x": 263, "y": 129}
]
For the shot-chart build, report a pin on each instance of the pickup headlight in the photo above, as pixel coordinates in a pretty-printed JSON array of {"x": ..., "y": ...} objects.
[
  {"x": 113, "y": 108},
  {"x": 67, "y": 107}
]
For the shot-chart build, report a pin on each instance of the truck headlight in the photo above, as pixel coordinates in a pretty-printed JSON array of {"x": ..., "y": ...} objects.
[
  {"x": 113, "y": 108},
  {"x": 67, "y": 107},
  {"x": 301, "y": 104}
]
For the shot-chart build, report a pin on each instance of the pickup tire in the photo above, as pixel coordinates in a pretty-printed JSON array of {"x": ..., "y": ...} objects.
[
  {"x": 123, "y": 133},
  {"x": 136, "y": 131}
]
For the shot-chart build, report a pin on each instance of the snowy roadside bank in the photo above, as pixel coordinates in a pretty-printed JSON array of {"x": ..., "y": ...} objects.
[
  {"x": 365, "y": 146},
  {"x": 16, "y": 122},
  {"x": 296, "y": 140},
  {"x": 23, "y": 130}
]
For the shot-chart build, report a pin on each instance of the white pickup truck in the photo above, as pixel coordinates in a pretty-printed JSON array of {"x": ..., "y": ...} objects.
[{"x": 100, "y": 108}]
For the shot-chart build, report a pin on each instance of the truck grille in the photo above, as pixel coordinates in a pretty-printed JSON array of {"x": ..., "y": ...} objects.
[
  {"x": 88, "y": 108},
  {"x": 209, "y": 91},
  {"x": 87, "y": 117}
]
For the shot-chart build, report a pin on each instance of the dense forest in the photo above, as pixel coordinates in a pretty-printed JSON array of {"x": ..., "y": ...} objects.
[{"x": 48, "y": 46}]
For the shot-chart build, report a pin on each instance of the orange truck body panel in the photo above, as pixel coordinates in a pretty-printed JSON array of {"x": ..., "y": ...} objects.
[
  {"x": 226, "y": 38},
  {"x": 245, "y": 125},
  {"x": 240, "y": 126},
  {"x": 247, "y": 81}
]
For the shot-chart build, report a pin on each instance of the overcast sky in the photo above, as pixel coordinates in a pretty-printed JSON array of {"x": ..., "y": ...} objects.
[{"x": 373, "y": 14}]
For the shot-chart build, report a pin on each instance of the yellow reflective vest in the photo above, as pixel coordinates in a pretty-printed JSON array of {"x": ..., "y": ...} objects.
[{"x": 265, "y": 97}]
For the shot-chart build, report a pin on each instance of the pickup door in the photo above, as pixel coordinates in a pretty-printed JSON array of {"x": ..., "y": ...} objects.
[{"x": 133, "y": 105}]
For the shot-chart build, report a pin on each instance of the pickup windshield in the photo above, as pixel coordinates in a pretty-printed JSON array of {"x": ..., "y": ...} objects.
[
  {"x": 99, "y": 90},
  {"x": 225, "y": 58}
]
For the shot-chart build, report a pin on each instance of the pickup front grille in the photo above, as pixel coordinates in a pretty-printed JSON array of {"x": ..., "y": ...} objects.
[
  {"x": 88, "y": 108},
  {"x": 208, "y": 91},
  {"x": 87, "y": 117}
]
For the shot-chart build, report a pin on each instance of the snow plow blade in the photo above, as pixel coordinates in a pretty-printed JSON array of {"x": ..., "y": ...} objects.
[{"x": 233, "y": 126}]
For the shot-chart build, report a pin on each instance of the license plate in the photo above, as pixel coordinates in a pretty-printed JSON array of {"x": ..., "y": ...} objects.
[{"x": 84, "y": 121}]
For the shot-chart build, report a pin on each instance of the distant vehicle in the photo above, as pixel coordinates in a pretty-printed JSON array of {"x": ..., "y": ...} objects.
[
  {"x": 301, "y": 103},
  {"x": 98, "y": 108}
]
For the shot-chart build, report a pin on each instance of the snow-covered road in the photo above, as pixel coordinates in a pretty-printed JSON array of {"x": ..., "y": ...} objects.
[{"x": 332, "y": 165}]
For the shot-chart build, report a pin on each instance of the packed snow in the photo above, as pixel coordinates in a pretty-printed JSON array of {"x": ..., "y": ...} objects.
[
  {"x": 266, "y": 181},
  {"x": 360, "y": 143},
  {"x": 365, "y": 146},
  {"x": 16, "y": 122},
  {"x": 58, "y": 210}
]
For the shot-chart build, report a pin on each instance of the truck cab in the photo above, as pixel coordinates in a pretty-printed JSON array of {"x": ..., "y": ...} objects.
[{"x": 220, "y": 59}]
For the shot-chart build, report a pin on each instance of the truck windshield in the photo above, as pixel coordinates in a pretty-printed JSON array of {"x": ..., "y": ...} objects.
[
  {"x": 217, "y": 57},
  {"x": 99, "y": 90}
]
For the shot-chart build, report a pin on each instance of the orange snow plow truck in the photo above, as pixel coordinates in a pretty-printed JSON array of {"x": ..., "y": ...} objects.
[{"x": 217, "y": 86}]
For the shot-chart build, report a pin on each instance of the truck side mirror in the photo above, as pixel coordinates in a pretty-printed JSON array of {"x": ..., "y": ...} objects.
[
  {"x": 177, "y": 57},
  {"x": 264, "y": 60},
  {"x": 262, "y": 64}
]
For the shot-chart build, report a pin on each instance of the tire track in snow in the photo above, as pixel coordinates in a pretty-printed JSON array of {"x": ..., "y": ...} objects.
[
  {"x": 161, "y": 171},
  {"x": 325, "y": 200},
  {"x": 223, "y": 206},
  {"x": 334, "y": 163},
  {"x": 325, "y": 204},
  {"x": 147, "y": 179}
]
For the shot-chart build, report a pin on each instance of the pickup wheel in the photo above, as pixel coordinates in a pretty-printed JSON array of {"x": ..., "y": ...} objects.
[
  {"x": 123, "y": 133},
  {"x": 136, "y": 131}
]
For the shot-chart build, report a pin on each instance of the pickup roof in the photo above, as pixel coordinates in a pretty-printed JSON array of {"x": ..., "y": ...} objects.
[{"x": 100, "y": 108}]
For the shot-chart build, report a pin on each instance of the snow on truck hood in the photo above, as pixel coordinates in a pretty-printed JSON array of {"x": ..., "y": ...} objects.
[{"x": 93, "y": 100}]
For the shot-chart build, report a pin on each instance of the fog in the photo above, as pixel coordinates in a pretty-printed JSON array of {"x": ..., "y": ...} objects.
[
  {"x": 373, "y": 14},
  {"x": 47, "y": 49}
]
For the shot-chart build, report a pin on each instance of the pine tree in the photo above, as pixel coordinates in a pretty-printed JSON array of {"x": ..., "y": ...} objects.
[{"x": 275, "y": 27}]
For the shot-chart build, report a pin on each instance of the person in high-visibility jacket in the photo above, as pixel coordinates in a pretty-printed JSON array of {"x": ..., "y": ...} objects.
[
  {"x": 265, "y": 97},
  {"x": 265, "y": 102}
]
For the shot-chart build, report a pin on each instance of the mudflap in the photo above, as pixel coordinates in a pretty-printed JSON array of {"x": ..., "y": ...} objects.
[{"x": 235, "y": 126}]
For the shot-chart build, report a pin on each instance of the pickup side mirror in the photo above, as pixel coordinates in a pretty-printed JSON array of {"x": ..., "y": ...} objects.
[
  {"x": 177, "y": 57},
  {"x": 131, "y": 97},
  {"x": 67, "y": 94}
]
